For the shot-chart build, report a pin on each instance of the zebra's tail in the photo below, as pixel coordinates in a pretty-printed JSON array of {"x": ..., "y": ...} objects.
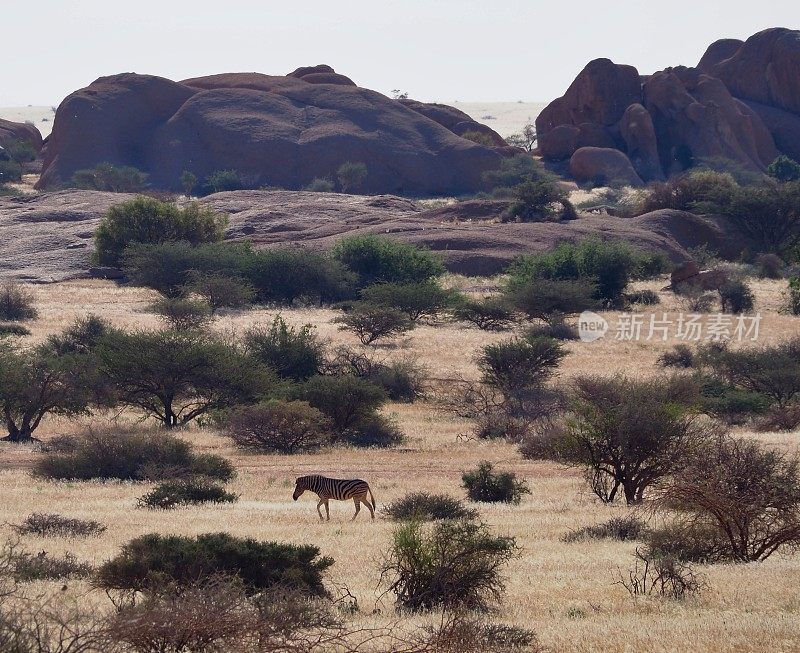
[{"x": 372, "y": 496}]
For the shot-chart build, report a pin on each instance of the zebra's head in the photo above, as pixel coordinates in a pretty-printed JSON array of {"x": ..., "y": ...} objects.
[{"x": 301, "y": 485}]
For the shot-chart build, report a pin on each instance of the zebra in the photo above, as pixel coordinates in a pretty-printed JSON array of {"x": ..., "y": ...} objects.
[{"x": 335, "y": 488}]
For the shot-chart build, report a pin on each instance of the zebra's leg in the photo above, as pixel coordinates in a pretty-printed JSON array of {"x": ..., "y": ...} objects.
[
  {"x": 368, "y": 504},
  {"x": 357, "y": 502},
  {"x": 327, "y": 511},
  {"x": 321, "y": 501}
]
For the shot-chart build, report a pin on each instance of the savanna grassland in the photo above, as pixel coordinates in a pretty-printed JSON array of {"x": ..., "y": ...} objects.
[{"x": 567, "y": 592}]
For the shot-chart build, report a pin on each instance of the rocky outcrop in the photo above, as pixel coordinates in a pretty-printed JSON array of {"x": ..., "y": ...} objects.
[
  {"x": 739, "y": 107},
  {"x": 20, "y": 131},
  {"x": 454, "y": 119},
  {"x": 603, "y": 165},
  {"x": 48, "y": 237},
  {"x": 274, "y": 130}
]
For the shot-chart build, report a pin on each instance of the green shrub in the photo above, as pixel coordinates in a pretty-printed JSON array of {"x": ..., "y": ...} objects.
[
  {"x": 483, "y": 484},
  {"x": 698, "y": 191},
  {"x": 221, "y": 291},
  {"x": 371, "y": 322},
  {"x": 282, "y": 275},
  {"x": 111, "y": 178},
  {"x": 770, "y": 370},
  {"x": 610, "y": 266},
  {"x": 146, "y": 220},
  {"x": 150, "y": 561},
  {"x": 730, "y": 404},
  {"x": 223, "y": 180},
  {"x": 451, "y": 565},
  {"x": 374, "y": 431},
  {"x": 616, "y": 528},
  {"x": 79, "y": 338},
  {"x": 423, "y": 506},
  {"x": 21, "y": 151},
  {"x": 16, "y": 303},
  {"x": 346, "y": 400},
  {"x": 188, "y": 181},
  {"x": 784, "y": 168},
  {"x": 378, "y": 259},
  {"x": 402, "y": 379},
  {"x": 533, "y": 201},
  {"x": 52, "y": 525},
  {"x": 182, "y": 314},
  {"x": 489, "y": 314},
  {"x": 351, "y": 176},
  {"x": 13, "y": 329},
  {"x": 293, "y": 353},
  {"x": 514, "y": 171},
  {"x": 320, "y": 185},
  {"x": 736, "y": 297},
  {"x": 768, "y": 214},
  {"x": 127, "y": 454},
  {"x": 279, "y": 426},
  {"x": 540, "y": 298},
  {"x": 417, "y": 300},
  {"x": 519, "y": 367},
  {"x": 10, "y": 171},
  {"x": 183, "y": 492}
]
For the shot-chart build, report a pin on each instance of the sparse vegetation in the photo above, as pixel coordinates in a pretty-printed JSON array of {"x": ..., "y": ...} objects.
[
  {"x": 17, "y": 303},
  {"x": 616, "y": 528},
  {"x": 182, "y": 314},
  {"x": 279, "y": 426},
  {"x": 371, "y": 322},
  {"x": 351, "y": 176},
  {"x": 53, "y": 525}
]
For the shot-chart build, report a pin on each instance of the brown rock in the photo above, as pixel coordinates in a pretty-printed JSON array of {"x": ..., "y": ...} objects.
[
  {"x": 636, "y": 128},
  {"x": 274, "y": 130},
  {"x": 763, "y": 69},
  {"x": 559, "y": 143},
  {"x": 684, "y": 271},
  {"x": 453, "y": 119},
  {"x": 603, "y": 164},
  {"x": 20, "y": 131}
]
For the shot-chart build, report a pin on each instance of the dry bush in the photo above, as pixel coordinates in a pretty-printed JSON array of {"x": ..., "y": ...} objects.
[
  {"x": 450, "y": 564},
  {"x": 16, "y": 303},
  {"x": 52, "y": 525},
  {"x": 372, "y": 322},
  {"x": 680, "y": 356},
  {"x": 182, "y": 314},
  {"x": 500, "y": 426},
  {"x": 780, "y": 418},
  {"x": 24, "y": 567},
  {"x": 376, "y": 431},
  {"x": 688, "y": 541},
  {"x": 403, "y": 380},
  {"x": 616, "y": 528},
  {"x": 465, "y": 634},
  {"x": 748, "y": 493},
  {"x": 279, "y": 426},
  {"x": 490, "y": 314},
  {"x": 661, "y": 576}
]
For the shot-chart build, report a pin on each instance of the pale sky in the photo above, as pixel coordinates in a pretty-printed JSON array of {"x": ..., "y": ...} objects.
[{"x": 437, "y": 50}]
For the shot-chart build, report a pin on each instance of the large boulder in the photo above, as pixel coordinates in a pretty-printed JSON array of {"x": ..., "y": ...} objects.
[
  {"x": 739, "y": 108},
  {"x": 603, "y": 164},
  {"x": 274, "y": 130},
  {"x": 636, "y": 129},
  {"x": 20, "y": 131},
  {"x": 763, "y": 69},
  {"x": 454, "y": 119}
]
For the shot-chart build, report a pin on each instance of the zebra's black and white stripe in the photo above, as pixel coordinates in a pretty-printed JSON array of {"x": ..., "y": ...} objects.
[{"x": 336, "y": 488}]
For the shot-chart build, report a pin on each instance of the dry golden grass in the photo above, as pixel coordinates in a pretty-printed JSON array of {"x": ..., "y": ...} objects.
[{"x": 566, "y": 592}]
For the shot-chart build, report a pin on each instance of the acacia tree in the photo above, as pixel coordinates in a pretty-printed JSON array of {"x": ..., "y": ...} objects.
[
  {"x": 178, "y": 376},
  {"x": 36, "y": 382},
  {"x": 746, "y": 492},
  {"x": 630, "y": 434}
]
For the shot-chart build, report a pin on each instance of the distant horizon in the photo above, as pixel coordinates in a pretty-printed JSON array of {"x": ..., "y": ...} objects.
[{"x": 444, "y": 51}]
